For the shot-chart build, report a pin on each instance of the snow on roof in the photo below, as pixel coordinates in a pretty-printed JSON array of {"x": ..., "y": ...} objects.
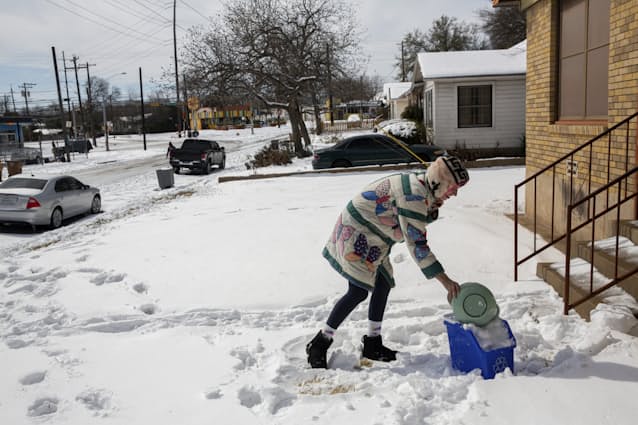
[
  {"x": 472, "y": 63},
  {"x": 395, "y": 89}
]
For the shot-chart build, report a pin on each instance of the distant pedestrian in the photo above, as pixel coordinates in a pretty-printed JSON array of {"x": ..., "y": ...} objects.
[{"x": 170, "y": 150}]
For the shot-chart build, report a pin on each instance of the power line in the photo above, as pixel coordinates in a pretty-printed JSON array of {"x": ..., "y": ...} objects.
[
  {"x": 123, "y": 7},
  {"x": 105, "y": 18},
  {"x": 94, "y": 21},
  {"x": 194, "y": 10},
  {"x": 153, "y": 11}
]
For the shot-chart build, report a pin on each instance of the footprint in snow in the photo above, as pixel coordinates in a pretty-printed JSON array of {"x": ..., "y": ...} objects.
[
  {"x": 148, "y": 309},
  {"x": 140, "y": 288},
  {"x": 249, "y": 397},
  {"x": 245, "y": 357},
  {"x": 33, "y": 378},
  {"x": 14, "y": 344},
  {"x": 96, "y": 400},
  {"x": 107, "y": 277},
  {"x": 213, "y": 394},
  {"x": 43, "y": 406},
  {"x": 89, "y": 270}
]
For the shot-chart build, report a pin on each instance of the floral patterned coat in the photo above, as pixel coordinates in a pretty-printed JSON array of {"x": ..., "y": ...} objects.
[{"x": 393, "y": 209}]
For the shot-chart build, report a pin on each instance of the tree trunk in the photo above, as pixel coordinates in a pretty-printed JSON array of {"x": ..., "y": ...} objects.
[
  {"x": 317, "y": 111},
  {"x": 294, "y": 125},
  {"x": 303, "y": 130}
]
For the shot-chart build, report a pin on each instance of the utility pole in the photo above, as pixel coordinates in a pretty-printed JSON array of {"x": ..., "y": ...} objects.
[
  {"x": 332, "y": 120},
  {"x": 106, "y": 124},
  {"x": 68, "y": 98},
  {"x": 188, "y": 110},
  {"x": 57, "y": 80},
  {"x": 361, "y": 97},
  {"x": 77, "y": 84},
  {"x": 13, "y": 100},
  {"x": 402, "y": 63},
  {"x": 142, "y": 102},
  {"x": 25, "y": 93},
  {"x": 177, "y": 105},
  {"x": 90, "y": 106}
]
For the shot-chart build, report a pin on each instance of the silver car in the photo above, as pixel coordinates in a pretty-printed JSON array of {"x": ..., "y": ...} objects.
[{"x": 46, "y": 201}]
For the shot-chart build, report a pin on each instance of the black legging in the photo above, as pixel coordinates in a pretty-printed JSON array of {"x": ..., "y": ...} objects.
[{"x": 355, "y": 296}]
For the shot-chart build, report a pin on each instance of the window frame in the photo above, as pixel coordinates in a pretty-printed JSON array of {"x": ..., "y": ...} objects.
[
  {"x": 475, "y": 107},
  {"x": 589, "y": 88}
]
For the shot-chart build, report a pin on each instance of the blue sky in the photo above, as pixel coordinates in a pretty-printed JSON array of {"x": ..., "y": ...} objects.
[{"x": 119, "y": 36}]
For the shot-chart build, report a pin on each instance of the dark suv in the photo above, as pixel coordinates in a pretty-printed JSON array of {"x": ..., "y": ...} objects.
[{"x": 372, "y": 149}]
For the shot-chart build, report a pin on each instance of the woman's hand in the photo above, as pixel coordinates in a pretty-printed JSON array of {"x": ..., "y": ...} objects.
[{"x": 450, "y": 285}]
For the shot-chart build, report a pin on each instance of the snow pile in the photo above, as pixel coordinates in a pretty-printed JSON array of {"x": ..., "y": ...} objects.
[{"x": 403, "y": 129}]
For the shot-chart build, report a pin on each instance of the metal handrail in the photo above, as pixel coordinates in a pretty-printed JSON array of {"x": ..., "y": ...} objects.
[
  {"x": 592, "y": 220},
  {"x": 553, "y": 239}
]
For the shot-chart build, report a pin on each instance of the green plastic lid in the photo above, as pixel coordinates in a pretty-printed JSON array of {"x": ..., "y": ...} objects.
[{"x": 475, "y": 304}]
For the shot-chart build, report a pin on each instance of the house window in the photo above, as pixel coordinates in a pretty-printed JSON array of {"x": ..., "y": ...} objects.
[
  {"x": 583, "y": 59},
  {"x": 475, "y": 106}
]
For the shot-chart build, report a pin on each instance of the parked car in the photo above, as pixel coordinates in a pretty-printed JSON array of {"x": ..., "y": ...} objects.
[
  {"x": 46, "y": 201},
  {"x": 372, "y": 149},
  {"x": 198, "y": 154}
]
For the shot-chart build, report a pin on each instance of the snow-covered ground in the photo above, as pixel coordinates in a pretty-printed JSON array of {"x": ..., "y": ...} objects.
[{"x": 192, "y": 305}]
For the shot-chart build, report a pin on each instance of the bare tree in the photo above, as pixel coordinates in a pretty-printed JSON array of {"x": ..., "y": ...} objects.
[
  {"x": 413, "y": 42},
  {"x": 505, "y": 26},
  {"x": 445, "y": 34},
  {"x": 278, "y": 51}
]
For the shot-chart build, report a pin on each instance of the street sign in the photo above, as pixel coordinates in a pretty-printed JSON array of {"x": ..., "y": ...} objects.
[{"x": 69, "y": 124}]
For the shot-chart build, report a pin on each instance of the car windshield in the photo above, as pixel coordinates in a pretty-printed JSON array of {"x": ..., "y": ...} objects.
[{"x": 22, "y": 183}]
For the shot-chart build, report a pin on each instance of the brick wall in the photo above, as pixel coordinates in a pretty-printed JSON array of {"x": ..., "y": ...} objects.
[{"x": 546, "y": 141}]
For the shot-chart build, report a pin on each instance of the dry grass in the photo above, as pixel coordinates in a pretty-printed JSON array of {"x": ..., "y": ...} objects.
[{"x": 319, "y": 385}]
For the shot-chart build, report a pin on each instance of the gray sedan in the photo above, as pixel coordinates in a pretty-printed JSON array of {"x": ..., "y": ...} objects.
[{"x": 46, "y": 201}]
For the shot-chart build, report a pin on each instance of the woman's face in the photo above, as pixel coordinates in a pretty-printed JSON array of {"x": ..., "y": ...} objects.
[
  {"x": 451, "y": 191},
  {"x": 445, "y": 186}
]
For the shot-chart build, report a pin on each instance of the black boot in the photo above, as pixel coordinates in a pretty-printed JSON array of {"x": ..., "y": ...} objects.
[
  {"x": 316, "y": 350},
  {"x": 374, "y": 349}
]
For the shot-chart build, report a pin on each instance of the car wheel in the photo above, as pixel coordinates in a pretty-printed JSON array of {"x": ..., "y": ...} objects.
[
  {"x": 206, "y": 169},
  {"x": 96, "y": 205},
  {"x": 176, "y": 170},
  {"x": 223, "y": 164},
  {"x": 341, "y": 163},
  {"x": 56, "y": 218}
]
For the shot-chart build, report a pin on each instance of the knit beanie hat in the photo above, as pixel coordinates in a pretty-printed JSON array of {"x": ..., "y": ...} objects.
[{"x": 445, "y": 172}]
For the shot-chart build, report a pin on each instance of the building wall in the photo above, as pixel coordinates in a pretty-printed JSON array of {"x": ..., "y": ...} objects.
[
  {"x": 508, "y": 115},
  {"x": 398, "y": 106},
  {"x": 547, "y": 139}
]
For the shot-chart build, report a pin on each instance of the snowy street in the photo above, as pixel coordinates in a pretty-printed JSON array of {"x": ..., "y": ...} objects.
[{"x": 193, "y": 305}]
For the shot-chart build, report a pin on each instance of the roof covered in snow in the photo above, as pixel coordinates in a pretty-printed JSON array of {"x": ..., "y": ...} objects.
[
  {"x": 473, "y": 63},
  {"x": 395, "y": 90}
]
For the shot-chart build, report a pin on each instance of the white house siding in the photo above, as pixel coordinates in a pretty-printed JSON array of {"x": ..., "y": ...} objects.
[{"x": 508, "y": 115}]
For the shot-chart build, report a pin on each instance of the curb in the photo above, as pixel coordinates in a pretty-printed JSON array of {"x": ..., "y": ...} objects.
[{"x": 497, "y": 162}]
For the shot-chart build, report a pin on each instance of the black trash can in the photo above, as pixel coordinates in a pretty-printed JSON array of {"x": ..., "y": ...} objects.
[{"x": 165, "y": 178}]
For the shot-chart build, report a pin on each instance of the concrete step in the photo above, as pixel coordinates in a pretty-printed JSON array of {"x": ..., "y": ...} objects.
[
  {"x": 629, "y": 229},
  {"x": 554, "y": 275},
  {"x": 604, "y": 260},
  {"x": 580, "y": 284}
]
